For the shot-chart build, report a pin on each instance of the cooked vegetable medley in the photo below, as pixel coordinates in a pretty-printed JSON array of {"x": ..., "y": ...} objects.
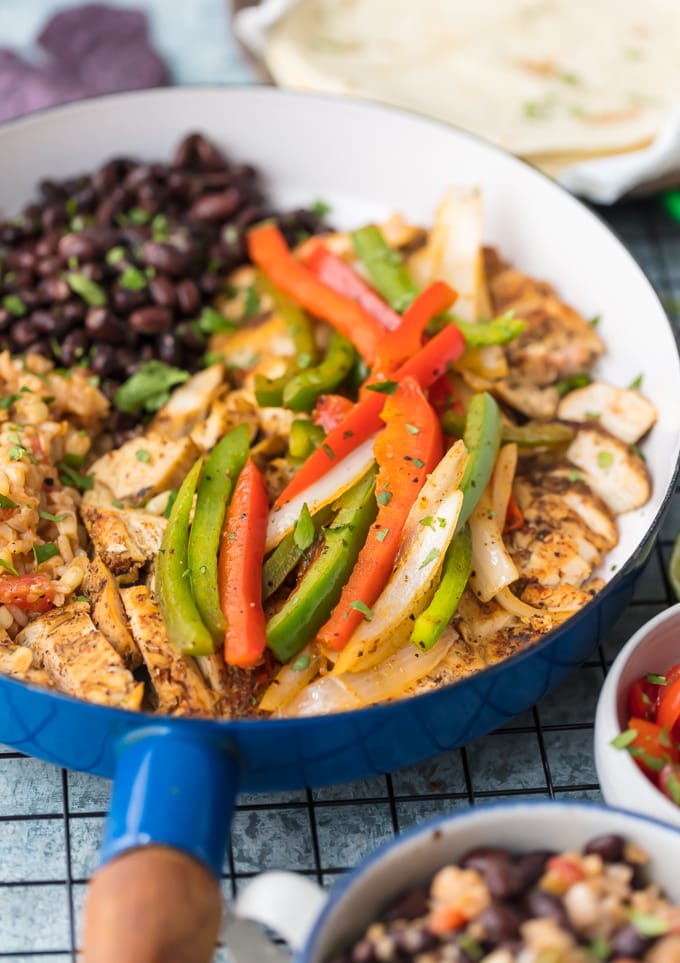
[
  {"x": 392, "y": 470},
  {"x": 653, "y": 734},
  {"x": 496, "y": 906}
]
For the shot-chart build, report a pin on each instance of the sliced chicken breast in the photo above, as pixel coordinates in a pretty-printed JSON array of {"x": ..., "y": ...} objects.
[
  {"x": 108, "y": 613},
  {"x": 144, "y": 466},
  {"x": 623, "y": 412},
  {"x": 611, "y": 468}
]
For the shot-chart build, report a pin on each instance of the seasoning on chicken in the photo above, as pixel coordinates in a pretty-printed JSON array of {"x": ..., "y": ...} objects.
[
  {"x": 144, "y": 466},
  {"x": 611, "y": 468},
  {"x": 79, "y": 660},
  {"x": 624, "y": 412},
  {"x": 108, "y": 613},
  {"x": 178, "y": 686},
  {"x": 188, "y": 404},
  {"x": 125, "y": 540}
]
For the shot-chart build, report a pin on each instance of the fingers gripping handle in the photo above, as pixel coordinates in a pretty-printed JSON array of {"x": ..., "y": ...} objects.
[{"x": 156, "y": 897}]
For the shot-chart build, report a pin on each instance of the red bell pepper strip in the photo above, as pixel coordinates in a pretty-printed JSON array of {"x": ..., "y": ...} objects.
[
  {"x": 406, "y": 340},
  {"x": 406, "y": 450},
  {"x": 268, "y": 250},
  {"x": 340, "y": 277},
  {"x": 364, "y": 419},
  {"x": 330, "y": 410},
  {"x": 30, "y": 593},
  {"x": 239, "y": 573},
  {"x": 514, "y": 517},
  {"x": 668, "y": 713}
]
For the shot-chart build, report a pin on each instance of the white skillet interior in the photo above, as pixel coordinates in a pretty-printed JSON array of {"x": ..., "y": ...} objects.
[{"x": 367, "y": 161}]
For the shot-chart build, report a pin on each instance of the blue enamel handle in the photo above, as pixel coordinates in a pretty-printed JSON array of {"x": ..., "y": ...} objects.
[{"x": 175, "y": 789}]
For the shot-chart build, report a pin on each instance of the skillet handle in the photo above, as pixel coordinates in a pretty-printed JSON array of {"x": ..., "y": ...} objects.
[{"x": 157, "y": 896}]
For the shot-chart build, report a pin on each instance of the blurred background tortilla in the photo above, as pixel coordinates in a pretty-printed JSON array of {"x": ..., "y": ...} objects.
[{"x": 555, "y": 81}]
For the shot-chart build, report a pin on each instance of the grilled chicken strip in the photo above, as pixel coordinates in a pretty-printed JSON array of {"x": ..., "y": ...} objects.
[
  {"x": 125, "y": 540},
  {"x": 108, "y": 613},
  {"x": 611, "y": 468},
  {"x": 177, "y": 682},
  {"x": 20, "y": 662},
  {"x": 144, "y": 466},
  {"x": 557, "y": 342},
  {"x": 623, "y": 412},
  {"x": 188, "y": 404},
  {"x": 78, "y": 659}
]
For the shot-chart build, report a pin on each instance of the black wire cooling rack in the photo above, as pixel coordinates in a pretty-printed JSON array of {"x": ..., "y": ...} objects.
[{"x": 51, "y": 820}]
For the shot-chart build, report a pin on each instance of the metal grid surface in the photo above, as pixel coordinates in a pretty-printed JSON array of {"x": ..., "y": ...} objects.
[{"x": 51, "y": 820}]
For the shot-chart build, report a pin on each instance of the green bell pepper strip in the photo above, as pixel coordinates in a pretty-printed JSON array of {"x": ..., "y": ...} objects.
[
  {"x": 385, "y": 267},
  {"x": 183, "y": 621},
  {"x": 534, "y": 434},
  {"x": 302, "y": 390},
  {"x": 310, "y": 605},
  {"x": 286, "y": 555},
  {"x": 456, "y": 567},
  {"x": 482, "y": 333},
  {"x": 482, "y": 437},
  {"x": 304, "y": 437},
  {"x": 269, "y": 391},
  {"x": 214, "y": 494}
]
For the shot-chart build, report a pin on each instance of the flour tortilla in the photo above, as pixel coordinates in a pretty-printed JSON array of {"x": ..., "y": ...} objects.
[{"x": 555, "y": 80}]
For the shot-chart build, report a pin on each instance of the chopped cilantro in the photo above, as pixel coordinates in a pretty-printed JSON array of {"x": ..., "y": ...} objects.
[
  {"x": 142, "y": 455},
  {"x": 624, "y": 739},
  {"x": 17, "y": 452},
  {"x": 575, "y": 475},
  {"x": 252, "y": 304},
  {"x": 138, "y": 215},
  {"x": 80, "y": 598},
  {"x": 636, "y": 383},
  {"x": 571, "y": 384},
  {"x": 648, "y": 925},
  {"x": 383, "y": 387},
  {"x": 600, "y": 948},
  {"x": 656, "y": 679},
  {"x": 115, "y": 255},
  {"x": 6, "y": 502},
  {"x": 605, "y": 459},
  {"x": 69, "y": 476},
  {"x": 418, "y": 462},
  {"x": 320, "y": 208},
  {"x": 132, "y": 279},
  {"x": 212, "y": 321},
  {"x": 413, "y": 429},
  {"x": 42, "y": 553},
  {"x": 212, "y": 357},
  {"x": 360, "y": 606},
  {"x": 87, "y": 289},
  {"x": 304, "y": 532},
  {"x": 159, "y": 228},
  {"x": 430, "y": 557},
  {"x": 382, "y": 534},
  {"x": 301, "y": 663},
  {"x": 328, "y": 450},
  {"x": 384, "y": 497},
  {"x": 595, "y": 320},
  {"x": 149, "y": 388},
  {"x": 52, "y": 518},
  {"x": 8, "y": 567},
  {"x": 14, "y": 304},
  {"x": 117, "y": 503}
]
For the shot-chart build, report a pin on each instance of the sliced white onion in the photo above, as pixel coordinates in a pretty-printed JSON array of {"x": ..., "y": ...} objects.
[
  {"x": 329, "y": 487},
  {"x": 501, "y": 481},
  {"x": 393, "y": 676},
  {"x": 492, "y": 567},
  {"x": 407, "y": 593},
  {"x": 328, "y": 694},
  {"x": 523, "y": 610},
  {"x": 290, "y": 681}
]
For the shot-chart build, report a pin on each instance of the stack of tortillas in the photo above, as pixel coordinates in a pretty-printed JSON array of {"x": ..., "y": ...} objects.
[{"x": 555, "y": 81}]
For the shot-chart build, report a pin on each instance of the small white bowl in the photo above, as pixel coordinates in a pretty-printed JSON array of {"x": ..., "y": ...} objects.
[{"x": 654, "y": 648}]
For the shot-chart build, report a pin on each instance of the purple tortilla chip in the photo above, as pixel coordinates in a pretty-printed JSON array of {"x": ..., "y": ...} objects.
[
  {"x": 72, "y": 32},
  {"x": 131, "y": 67}
]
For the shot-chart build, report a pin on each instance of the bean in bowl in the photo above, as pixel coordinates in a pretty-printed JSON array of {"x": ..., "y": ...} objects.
[{"x": 497, "y": 906}]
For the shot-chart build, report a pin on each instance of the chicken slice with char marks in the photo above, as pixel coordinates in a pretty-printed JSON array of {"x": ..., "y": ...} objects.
[
  {"x": 611, "y": 468},
  {"x": 108, "y": 613},
  {"x": 178, "y": 685},
  {"x": 21, "y": 663},
  {"x": 188, "y": 404},
  {"x": 144, "y": 466},
  {"x": 79, "y": 660},
  {"x": 125, "y": 540}
]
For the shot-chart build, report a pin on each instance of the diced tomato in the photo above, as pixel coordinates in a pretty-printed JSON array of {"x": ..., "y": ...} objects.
[
  {"x": 652, "y": 747},
  {"x": 565, "y": 870},
  {"x": 445, "y": 918},
  {"x": 642, "y": 700},
  {"x": 668, "y": 713},
  {"x": 31, "y": 593}
]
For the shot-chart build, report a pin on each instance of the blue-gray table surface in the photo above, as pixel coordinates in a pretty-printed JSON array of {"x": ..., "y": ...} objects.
[{"x": 51, "y": 820}]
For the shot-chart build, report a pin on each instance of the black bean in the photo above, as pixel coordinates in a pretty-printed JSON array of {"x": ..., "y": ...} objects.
[
  {"x": 49, "y": 266},
  {"x": 74, "y": 311},
  {"x": 209, "y": 284},
  {"x": 250, "y": 214},
  {"x": 413, "y": 940},
  {"x": 166, "y": 258},
  {"x": 125, "y": 300},
  {"x": 53, "y": 216},
  {"x": 77, "y": 245},
  {"x": 162, "y": 291},
  {"x": 215, "y": 207},
  {"x": 44, "y": 347},
  {"x": 170, "y": 350},
  {"x": 191, "y": 337},
  {"x": 147, "y": 352},
  {"x": 135, "y": 234},
  {"x": 23, "y": 333},
  {"x": 54, "y": 289},
  {"x": 128, "y": 360},
  {"x": 74, "y": 346},
  {"x": 180, "y": 185},
  {"x": 47, "y": 244},
  {"x": 363, "y": 952},
  {"x": 50, "y": 322},
  {"x": 628, "y": 942},
  {"x": 52, "y": 191},
  {"x": 410, "y": 906},
  {"x": 610, "y": 847},
  {"x": 500, "y": 922},
  {"x": 530, "y": 867},
  {"x": 104, "y": 326},
  {"x": 194, "y": 151},
  {"x": 104, "y": 360},
  {"x": 188, "y": 297},
  {"x": 243, "y": 172},
  {"x": 151, "y": 320},
  {"x": 20, "y": 281},
  {"x": 106, "y": 178},
  {"x": 138, "y": 175},
  {"x": 6, "y": 319},
  {"x": 10, "y": 234},
  {"x": 496, "y": 867},
  {"x": 22, "y": 260},
  {"x": 541, "y": 904}
]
